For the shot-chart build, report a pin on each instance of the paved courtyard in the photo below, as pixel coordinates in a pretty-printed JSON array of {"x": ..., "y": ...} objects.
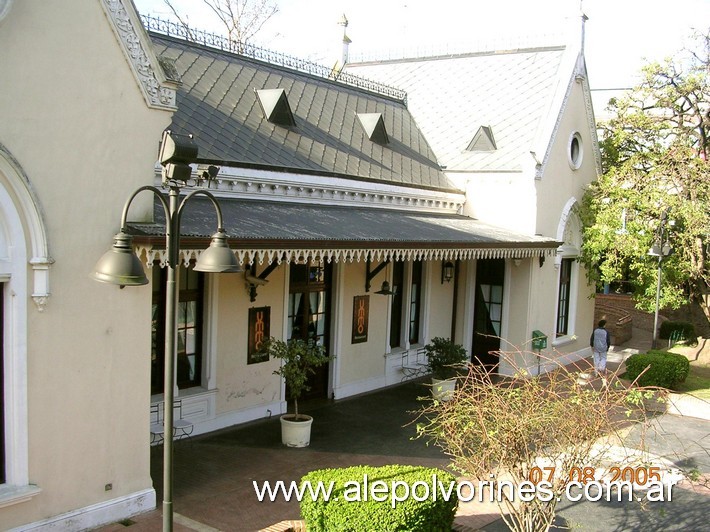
[{"x": 214, "y": 473}]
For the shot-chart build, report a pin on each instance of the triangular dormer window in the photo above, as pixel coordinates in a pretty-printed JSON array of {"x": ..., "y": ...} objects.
[
  {"x": 483, "y": 140},
  {"x": 274, "y": 104},
  {"x": 374, "y": 127}
]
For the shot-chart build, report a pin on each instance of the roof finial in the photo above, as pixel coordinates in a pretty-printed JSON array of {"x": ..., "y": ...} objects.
[
  {"x": 346, "y": 40},
  {"x": 585, "y": 18}
]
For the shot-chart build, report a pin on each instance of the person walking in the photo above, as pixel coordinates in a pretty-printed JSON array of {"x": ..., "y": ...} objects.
[{"x": 600, "y": 341}]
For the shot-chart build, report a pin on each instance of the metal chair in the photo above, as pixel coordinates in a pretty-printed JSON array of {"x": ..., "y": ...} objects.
[
  {"x": 157, "y": 430},
  {"x": 414, "y": 364},
  {"x": 182, "y": 428}
]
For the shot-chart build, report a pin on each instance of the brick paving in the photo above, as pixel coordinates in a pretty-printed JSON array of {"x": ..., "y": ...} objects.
[{"x": 213, "y": 473}]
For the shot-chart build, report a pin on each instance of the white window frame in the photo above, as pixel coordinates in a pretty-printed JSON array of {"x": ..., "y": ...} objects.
[
  {"x": 575, "y": 162},
  {"x": 568, "y": 231},
  {"x": 23, "y": 231}
]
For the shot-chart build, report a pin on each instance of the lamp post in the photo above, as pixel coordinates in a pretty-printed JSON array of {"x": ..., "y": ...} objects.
[
  {"x": 660, "y": 249},
  {"x": 121, "y": 266}
]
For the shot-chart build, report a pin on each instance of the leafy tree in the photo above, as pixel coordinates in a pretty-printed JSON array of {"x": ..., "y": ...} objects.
[
  {"x": 656, "y": 185},
  {"x": 299, "y": 360},
  {"x": 242, "y": 19}
]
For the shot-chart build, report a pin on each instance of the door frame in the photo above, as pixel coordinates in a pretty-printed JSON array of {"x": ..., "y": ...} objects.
[
  {"x": 468, "y": 293},
  {"x": 327, "y": 289}
]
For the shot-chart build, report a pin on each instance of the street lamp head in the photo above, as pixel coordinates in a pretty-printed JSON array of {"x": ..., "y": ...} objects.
[
  {"x": 218, "y": 258},
  {"x": 660, "y": 251},
  {"x": 120, "y": 265}
]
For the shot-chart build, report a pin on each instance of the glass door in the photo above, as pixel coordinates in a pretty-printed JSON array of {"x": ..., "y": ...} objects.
[
  {"x": 308, "y": 315},
  {"x": 488, "y": 312}
]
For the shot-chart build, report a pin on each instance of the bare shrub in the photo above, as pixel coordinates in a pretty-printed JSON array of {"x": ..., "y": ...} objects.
[{"x": 556, "y": 428}]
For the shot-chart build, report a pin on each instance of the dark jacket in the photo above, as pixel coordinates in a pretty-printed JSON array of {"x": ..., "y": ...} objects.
[{"x": 600, "y": 341}]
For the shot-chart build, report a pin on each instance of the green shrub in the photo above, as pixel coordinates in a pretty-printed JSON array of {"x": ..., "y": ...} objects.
[
  {"x": 352, "y": 504},
  {"x": 666, "y": 369},
  {"x": 683, "y": 330}
]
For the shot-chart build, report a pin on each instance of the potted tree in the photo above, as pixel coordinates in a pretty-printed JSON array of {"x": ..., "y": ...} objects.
[
  {"x": 299, "y": 360},
  {"x": 444, "y": 360}
]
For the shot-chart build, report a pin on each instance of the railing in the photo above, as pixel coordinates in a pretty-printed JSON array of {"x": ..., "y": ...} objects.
[{"x": 220, "y": 42}]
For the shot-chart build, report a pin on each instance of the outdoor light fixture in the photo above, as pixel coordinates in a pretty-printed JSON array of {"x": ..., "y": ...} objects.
[
  {"x": 121, "y": 266},
  {"x": 207, "y": 172},
  {"x": 385, "y": 290},
  {"x": 371, "y": 273},
  {"x": 447, "y": 271},
  {"x": 176, "y": 154}
]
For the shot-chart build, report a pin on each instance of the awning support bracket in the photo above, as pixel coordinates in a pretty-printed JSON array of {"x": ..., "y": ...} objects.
[
  {"x": 253, "y": 280},
  {"x": 370, "y": 274}
]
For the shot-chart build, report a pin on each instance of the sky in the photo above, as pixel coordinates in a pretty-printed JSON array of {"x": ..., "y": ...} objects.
[{"x": 620, "y": 35}]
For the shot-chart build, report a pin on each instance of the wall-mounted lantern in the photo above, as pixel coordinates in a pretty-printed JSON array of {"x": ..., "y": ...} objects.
[{"x": 447, "y": 271}]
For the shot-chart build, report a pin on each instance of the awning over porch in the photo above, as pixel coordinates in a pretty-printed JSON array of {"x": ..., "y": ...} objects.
[{"x": 266, "y": 231}]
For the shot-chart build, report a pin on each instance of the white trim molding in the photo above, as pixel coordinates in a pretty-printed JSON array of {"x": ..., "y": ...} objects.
[
  {"x": 27, "y": 206},
  {"x": 23, "y": 240},
  {"x": 261, "y": 256},
  {"x": 275, "y": 185},
  {"x": 362, "y": 386},
  {"x": 96, "y": 515},
  {"x": 158, "y": 91}
]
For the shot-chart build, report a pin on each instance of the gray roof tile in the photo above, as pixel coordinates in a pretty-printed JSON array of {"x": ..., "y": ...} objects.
[
  {"x": 451, "y": 97},
  {"x": 217, "y": 104},
  {"x": 261, "y": 224}
]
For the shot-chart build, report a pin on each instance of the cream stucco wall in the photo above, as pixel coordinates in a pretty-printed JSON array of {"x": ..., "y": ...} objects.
[
  {"x": 503, "y": 199},
  {"x": 75, "y": 120},
  {"x": 439, "y": 304},
  {"x": 522, "y": 203},
  {"x": 362, "y": 361},
  {"x": 517, "y": 295},
  {"x": 245, "y": 386},
  {"x": 557, "y": 189},
  {"x": 560, "y": 181}
]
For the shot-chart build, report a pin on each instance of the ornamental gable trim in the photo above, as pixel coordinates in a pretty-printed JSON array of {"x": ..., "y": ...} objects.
[{"x": 158, "y": 91}]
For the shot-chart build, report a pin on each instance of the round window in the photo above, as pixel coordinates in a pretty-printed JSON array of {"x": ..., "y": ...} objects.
[{"x": 575, "y": 151}]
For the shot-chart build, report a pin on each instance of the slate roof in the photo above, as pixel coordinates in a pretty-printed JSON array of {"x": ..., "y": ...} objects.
[
  {"x": 451, "y": 97},
  {"x": 258, "y": 224},
  {"x": 218, "y": 105}
]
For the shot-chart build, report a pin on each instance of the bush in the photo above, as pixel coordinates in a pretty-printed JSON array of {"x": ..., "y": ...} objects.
[
  {"x": 666, "y": 369},
  {"x": 352, "y": 504},
  {"x": 443, "y": 356},
  {"x": 683, "y": 330}
]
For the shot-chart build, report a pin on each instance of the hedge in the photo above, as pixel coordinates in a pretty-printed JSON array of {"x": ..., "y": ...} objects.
[
  {"x": 685, "y": 330},
  {"x": 666, "y": 369},
  {"x": 352, "y": 504}
]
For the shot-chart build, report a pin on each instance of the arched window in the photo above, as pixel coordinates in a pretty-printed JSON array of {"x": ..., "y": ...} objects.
[
  {"x": 568, "y": 232},
  {"x": 22, "y": 242}
]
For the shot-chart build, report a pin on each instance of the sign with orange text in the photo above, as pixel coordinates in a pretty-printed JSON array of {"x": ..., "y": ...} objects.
[
  {"x": 259, "y": 331},
  {"x": 361, "y": 314}
]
